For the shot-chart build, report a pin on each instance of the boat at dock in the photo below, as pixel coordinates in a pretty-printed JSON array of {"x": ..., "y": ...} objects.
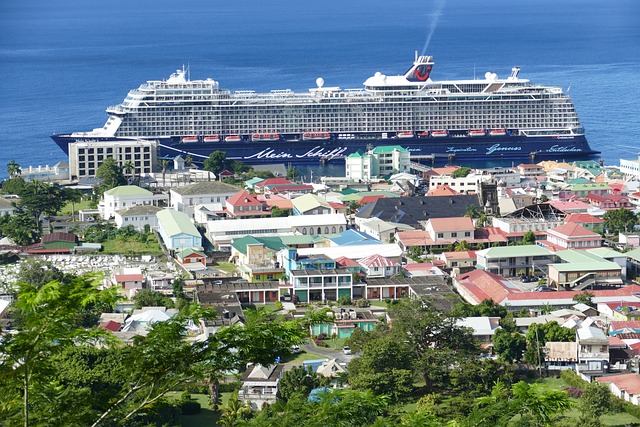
[{"x": 477, "y": 119}]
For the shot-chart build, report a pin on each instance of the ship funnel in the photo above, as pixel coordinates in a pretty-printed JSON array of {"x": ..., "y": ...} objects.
[
  {"x": 514, "y": 73},
  {"x": 421, "y": 69}
]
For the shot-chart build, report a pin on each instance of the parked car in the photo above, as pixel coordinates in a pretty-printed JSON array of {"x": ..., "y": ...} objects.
[
  {"x": 295, "y": 349},
  {"x": 346, "y": 349}
]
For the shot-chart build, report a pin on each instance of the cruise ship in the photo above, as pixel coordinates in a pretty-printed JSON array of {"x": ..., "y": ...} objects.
[{"x": 476, "y": 119}]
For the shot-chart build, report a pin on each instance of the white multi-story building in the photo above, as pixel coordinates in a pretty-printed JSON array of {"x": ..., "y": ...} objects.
[
  {"x": 86, "y": 157},
  {"x": 631, "y": 168},
  {"x": 380, "y": 161},
  {"x": 127, "y": 196},
  {"x": 184, "y": 199}
]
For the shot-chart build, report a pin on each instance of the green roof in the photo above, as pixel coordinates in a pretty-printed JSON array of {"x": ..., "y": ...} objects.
[
  {"x": 360, "y": 194},
  {"x": 253, "y": 181},
  {"x": 590, "y": 186},
  {"x": 174, "y": 223},
  {"x": 298, "y": 239},
  {"x": 567, "y": 267},
  {"x": 348, "y": 191},
  {"x": 633, "y": 254},
  {"x": 206, "y": 187},
  {"x": 515, "y": 251},
  {"x": 384, "y": 149},
  {"x": 579, "y": 181},
  {"x": 576, "y": 256},
  {"x": 606, "y": 253},
  {"x": 185, "y": 252},
  {"x": 128, "y": 190},
  {"x": 358, "y": 153},
  {"x": 241, "y": 243}
]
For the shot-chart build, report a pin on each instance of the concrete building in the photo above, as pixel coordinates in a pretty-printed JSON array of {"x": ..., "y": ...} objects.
[
  {"x": 86, "y": 157},
  {"x": 138, "y": 217},
  {"x": 127, "y": 196},
  {"x": 184, "y": 199},
  {"x": 380, "y": 161},
  {"x": 512, "y": 261}
]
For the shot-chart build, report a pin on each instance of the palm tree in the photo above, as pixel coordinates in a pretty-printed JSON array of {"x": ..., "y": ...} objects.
[
  {"x": 164, "y": 163},
  {"x": 14, "y": 169},
  {"x": 234, "y": 411},
  {"x": 188, "y": 160},
  {"x": 128, "y": 168}
]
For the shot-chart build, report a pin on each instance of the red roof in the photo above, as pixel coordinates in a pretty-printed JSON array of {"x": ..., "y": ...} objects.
[
  {"x": 292, "y": 187},
  {"x": 376, "y": 260},
  {"x": 129, "y": 278},
  {"x": 442, "y": 190},
  {"x": 617, "y": 324},
  {"x": 582, "y": 218},
  {"x": 481, "y": 285},
  {"x": 461, "y": 223},
  {"x": 273, "y": 181},
  {"x": 573, "y": 229},
  {"x": 243, "y": 198},
  {"x": 59, "y": 236},
  {"x": 370, "y": 199},
  {"x": 110, "y": 326},
  {"x": 338, "y": 205},
  {"x": 460, "y": 255},
  {"x": 343, "y": 261},
  {"x": 630, "y": 383},
  {"x": 226, "y": 173}
]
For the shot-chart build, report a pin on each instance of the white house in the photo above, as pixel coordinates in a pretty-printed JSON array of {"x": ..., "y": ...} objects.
[
  {"x": 379, "y": 266},
  {"x": 138, "y": 216},
  {"x": 184, "y": 199},
  {"x": 127, "y": 196}
]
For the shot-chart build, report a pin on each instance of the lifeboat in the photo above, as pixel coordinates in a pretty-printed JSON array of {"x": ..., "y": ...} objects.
[
  {"x": 477, "y": 132},
  {"x": 188, "y": 139},
  {"x": 423, "y": 134},
  {"x": 498, "y": 132},
  {"x": 265, "y": 137},
  {"x": 405, "y": 134},
  {"x": 212, "y": 138},
  {"x": 439, "y": 133},
  {"x": 232, "y": 138},
  {"x": 316, "y": 136}
]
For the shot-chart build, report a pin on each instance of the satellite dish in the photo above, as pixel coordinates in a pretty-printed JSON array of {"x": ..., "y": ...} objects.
[
  {"x": 320, "y": 82},
  {"x": 487, "y": 75}
]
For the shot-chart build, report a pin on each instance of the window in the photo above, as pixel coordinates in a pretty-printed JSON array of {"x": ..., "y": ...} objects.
[
  {"x": 454, "y": 234},
  {"x": 440, "y": 235},
  {"x": 467, "y": 234}
]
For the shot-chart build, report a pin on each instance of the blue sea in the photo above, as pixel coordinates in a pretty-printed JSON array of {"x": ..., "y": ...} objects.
[{"x": 62, "y": 62}]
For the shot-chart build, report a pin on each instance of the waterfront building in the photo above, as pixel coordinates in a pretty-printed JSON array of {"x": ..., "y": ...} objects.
[{"x": 86, "y": 157}]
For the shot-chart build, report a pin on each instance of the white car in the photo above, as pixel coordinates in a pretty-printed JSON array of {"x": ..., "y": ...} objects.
[
  {"x": 295, "y": 349},
  {"x": 346, "y": 349}
]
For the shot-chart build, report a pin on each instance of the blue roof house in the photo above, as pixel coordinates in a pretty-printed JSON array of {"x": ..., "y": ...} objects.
[{"x": 177, "y": 230}]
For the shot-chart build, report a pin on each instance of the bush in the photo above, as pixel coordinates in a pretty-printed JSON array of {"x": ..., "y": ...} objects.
[
  {"x": 363, "y": 303},
  {"x": 278, "y": 305},
  {"x": 572, "y": 379},
  {"x": 344, "y": 300},
  {"x": 190, "y": 407},
  {"x": 229, "y": 387},
  {"x": 574, "y": 392},
  {"x": 322, "y": 336}
]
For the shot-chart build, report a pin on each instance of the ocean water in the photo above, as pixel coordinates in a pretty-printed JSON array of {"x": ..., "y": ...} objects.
[{"x": 63, "y": 62}]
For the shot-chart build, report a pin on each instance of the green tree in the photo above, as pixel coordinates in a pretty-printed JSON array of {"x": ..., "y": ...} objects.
[
  {"x": 20, "y": 227},
  {"x": 539, "y": 334},
  {"x": 41, "y": 198},
  {"x": 385, "y": 368},
  {"x": 619, "y": 220},
  {"x": 13, "y": 169},
  {"x": 188, "y": 160},
  {"x": 461, "y": 172},
  {"x": 277, "y": 212},
  {"x": 529, "y": 238},
  {"x": 301, "y": 380},
  {"x": 461, "y": 246},
  {"x": 544, "y": 198},
  {"x": 435, "y": 340},
  {"x": 74, "y": 196},
  {"x": 215, "y": 162},
  {"x": 237, "y": 166},
  {"x": 595, "y": 401},
  {"x": 178, "y": 287},
  {"x": 509, "y": 345},
  {"x": 151, "y": 298},
  {"x": 47, "y": 327},
  {"x": 292, "y": 173},
  {"x": 129, "y": 168},
  {"x": 585, "y": 297},
  {"x": 487, "y": 308},
  {"x": 13, "y": 185},
  {"x": 233, "y": 412},
  {"x": 110, "y": 175},
  {"x": 536, "y": 406}
]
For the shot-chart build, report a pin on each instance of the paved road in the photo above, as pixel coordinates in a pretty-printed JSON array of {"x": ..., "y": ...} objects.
[{"x": 328, "y": 352}]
